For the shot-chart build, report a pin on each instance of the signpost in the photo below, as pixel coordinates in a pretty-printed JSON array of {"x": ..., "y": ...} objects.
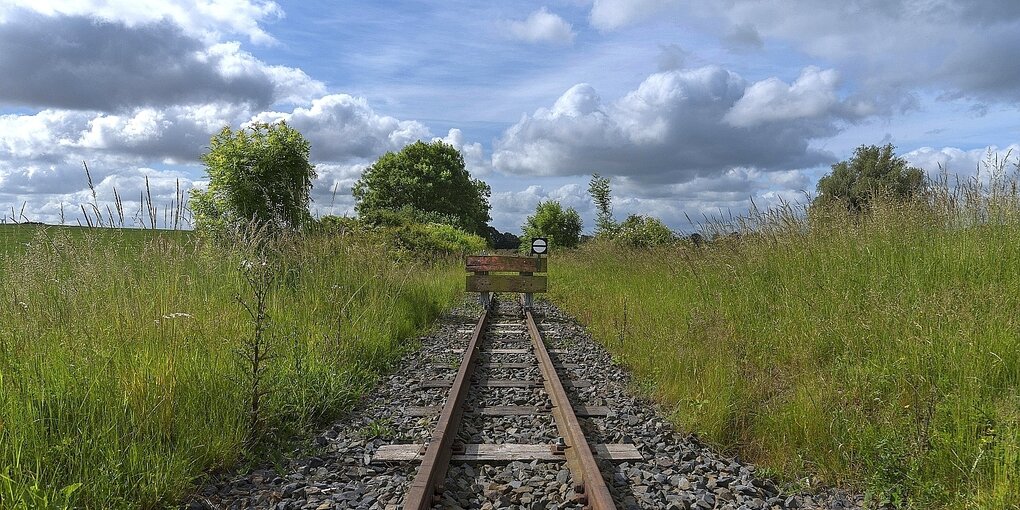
[{"x": 491, "y": 273}]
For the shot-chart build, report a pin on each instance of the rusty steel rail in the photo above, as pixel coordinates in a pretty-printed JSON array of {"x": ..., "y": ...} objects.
[
  {"x": 427, "y": 486},
  {"x": 428, "y": 483},
  {"x": 588, "y": 479}
]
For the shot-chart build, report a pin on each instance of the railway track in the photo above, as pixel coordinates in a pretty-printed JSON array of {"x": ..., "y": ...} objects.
[
  {"x": 508, "y": 352},
  {"x": 504, "y": 452}
]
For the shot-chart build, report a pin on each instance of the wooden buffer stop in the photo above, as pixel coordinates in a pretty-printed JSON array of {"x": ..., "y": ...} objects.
[{"x": 493, "y": 273}]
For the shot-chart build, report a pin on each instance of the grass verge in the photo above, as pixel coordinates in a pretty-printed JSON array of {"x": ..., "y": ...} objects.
[
  {"x": 124, "y": 355},
  {"x": 880, "y": 354}
]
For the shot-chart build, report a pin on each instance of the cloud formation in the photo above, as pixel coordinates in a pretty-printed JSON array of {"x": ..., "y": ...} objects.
[
  {"x": 542, "y": 26},
  {"x": 208, "y": 19},
  {"x": 41, "y": 154},
  {"x": 474, "y": 155},
  {"x": 813, "y": 95},
  {"x": 79, "y": 62},
  {"x": 964, "y": 163},
  {"x": 677, "y": 126},
  {"x": 893, "y": 45},
  {"x": 615, "y": 14},
  {"x": 341, "y": 127},
  {"x": 973, "y": 60}
]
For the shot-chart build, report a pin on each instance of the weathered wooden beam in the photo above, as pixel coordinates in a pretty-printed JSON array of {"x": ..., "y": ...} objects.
[
  {"x": 502, "y": 383},
  {"x": 521, "y": 366},
  {"x": 509, "y": 351},
  {"x": 497, "y": 263},
  {"x": 507, "y": 452},
  {"x": 586, "y": 411},
  {"x": 507, "y": 283}
]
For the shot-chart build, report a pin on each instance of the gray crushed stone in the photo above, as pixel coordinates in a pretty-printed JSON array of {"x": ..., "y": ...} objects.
[{"x": 677, "y": 471}]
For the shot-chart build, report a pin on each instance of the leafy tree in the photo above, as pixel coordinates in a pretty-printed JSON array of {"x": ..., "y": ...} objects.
[
  {"x": 872, "y": 171},
  {"x": 644, "y": 231},
  {"x": 257, "y": 175},
  {"x": 601, "y": 195},
  {"x": 429, "y": 178},
  {"x": 562, "y": 227},
  {"x": 502, "y": 240}
]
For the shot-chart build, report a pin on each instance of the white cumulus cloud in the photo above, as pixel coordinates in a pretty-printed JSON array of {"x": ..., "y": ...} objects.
[
  {"x": 964, "y": 163},
  {"x": 341, "y": 127},
  {"x": 673, "y": 128},
  {"x": 614, "y": 14},
  {"x": 812, "y": 95},
  {"x": 542, "y": 26},
  {"x": 474, "y": 156},
  {"x": 210, "y": 19}
]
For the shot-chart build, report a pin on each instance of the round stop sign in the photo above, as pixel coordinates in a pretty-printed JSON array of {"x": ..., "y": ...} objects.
[{"x": 539, "y": 246}]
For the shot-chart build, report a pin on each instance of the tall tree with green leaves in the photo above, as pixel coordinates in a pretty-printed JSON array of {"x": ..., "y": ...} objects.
[
  {"x": 601, "y": 196},
  {"x": 872, "y": 171},
  {"x": 561, "y": 227},
  {"x": 257, "y": 175},
  {"x": 429, "y": 178}
]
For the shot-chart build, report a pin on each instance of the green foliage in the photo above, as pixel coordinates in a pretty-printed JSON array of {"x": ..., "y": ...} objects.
[
  {"x": 338, "y": 225},
  {"x": 601, "y": 196},
  {"x": 429, "y": 178},
  {"x": 259, "y": 175},
  {"x": 637, "y": 230},
  {"x": 872, "y": 171},
  {"x": 503, "y": 240},
  {"x": 644, "y": 232},
  {"x": 437, "y": 239},
  {"x": 417, "y": 232},
  {"x": 405, "y": 215},
  {"x": 562, "y": 227},
  {"x": 122, "y": 379}
]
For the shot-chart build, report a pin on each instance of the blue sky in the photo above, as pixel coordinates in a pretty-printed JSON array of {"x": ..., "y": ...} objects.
[{"x": 691, "y": 108}]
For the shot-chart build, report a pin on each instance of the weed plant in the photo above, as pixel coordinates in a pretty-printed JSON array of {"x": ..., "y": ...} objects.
[
  {"x": 131, "y": 363},
  {"x": 877, "y": 352}
]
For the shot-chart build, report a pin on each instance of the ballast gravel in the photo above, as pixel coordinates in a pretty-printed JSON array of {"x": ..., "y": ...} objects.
[{"x": 677, "y": 470}]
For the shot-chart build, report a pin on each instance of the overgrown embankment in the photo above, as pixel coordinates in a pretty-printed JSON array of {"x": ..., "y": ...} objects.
[
  {"x": 126, "y": 364},
  {"x": 881, "y": 354}
]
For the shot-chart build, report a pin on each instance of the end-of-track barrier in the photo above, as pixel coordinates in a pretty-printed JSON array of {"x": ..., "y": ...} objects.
[{"x": 523, "y": 275}]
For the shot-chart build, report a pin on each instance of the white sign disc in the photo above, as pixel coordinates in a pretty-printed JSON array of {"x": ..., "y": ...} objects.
[{"x": 539, "y": 246}]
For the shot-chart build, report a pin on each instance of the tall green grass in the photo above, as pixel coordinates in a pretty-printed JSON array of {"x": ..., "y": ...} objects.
[
  {"x": 878, "y": 353},
  {"x": 123, "y": 375}
]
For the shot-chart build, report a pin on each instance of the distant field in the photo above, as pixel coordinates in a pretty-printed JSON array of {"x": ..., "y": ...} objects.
[
  {"x": 14, "y": 237},
  {"x": 122, "y": 378},
  {"x": 882, "y": 356}
]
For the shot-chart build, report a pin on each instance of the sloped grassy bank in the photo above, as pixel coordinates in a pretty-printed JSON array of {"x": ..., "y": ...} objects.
[
  {"x": 124, "y": 373},
  {"x": 882, "y": 355}
]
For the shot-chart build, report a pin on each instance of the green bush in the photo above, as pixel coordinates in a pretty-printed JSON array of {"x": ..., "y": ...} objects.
[
  {"x": 338, "y": 225},
  {"x": 644, "y": 232},
  {"x": 562, "y": 227},
  {"x": 257, "y": 175},
  {"x": 436, "y": 238},
  {"x": 872, "y": 172},
  {"x": 406, "y": 215}
]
